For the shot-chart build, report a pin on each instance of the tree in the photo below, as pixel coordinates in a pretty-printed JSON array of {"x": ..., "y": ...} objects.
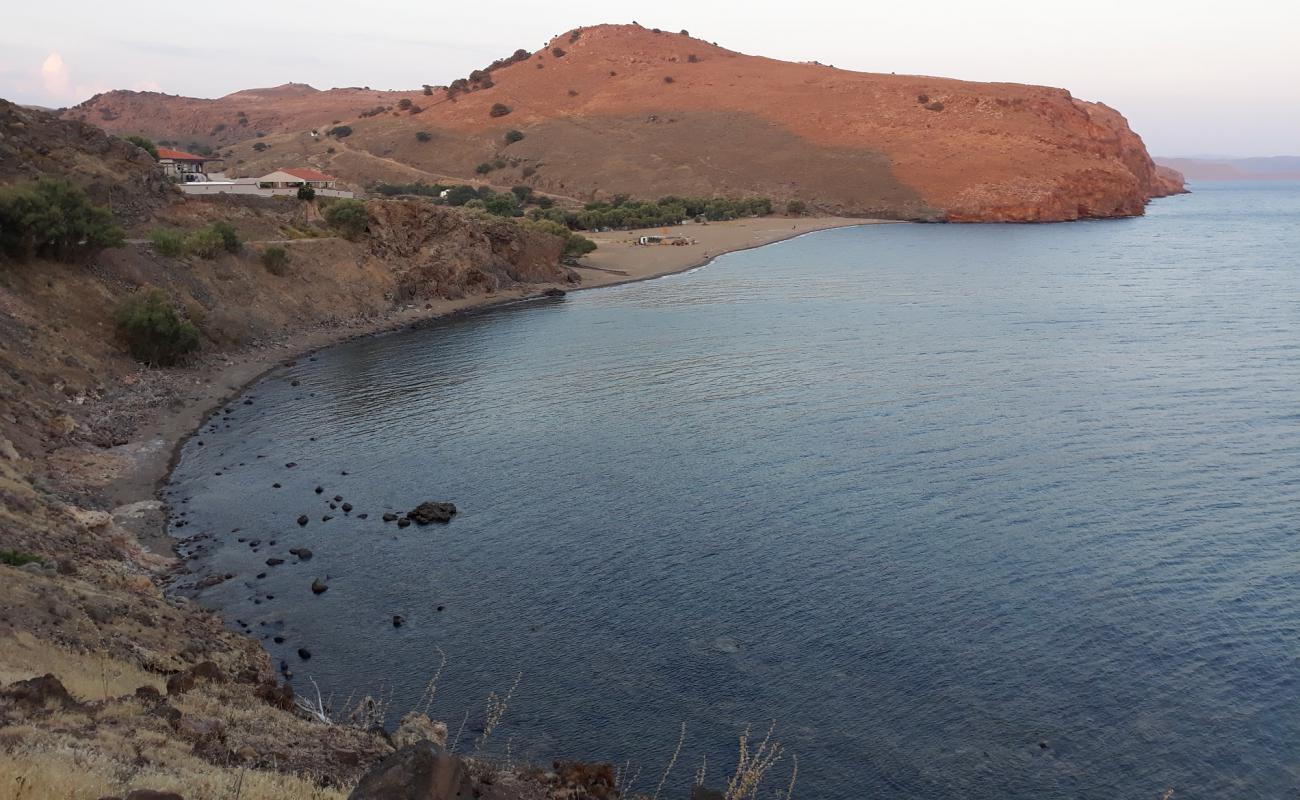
[
  {"x": 51, "y": 218},
  {"x": 153, "y": 331},
  {"x": 140, "y": 141},
  {"x": 306, "y": 192},
  {"x": 502, "y": 205},
  {"x": 522, "y": 193},
  {"x": 349, "y": 217}
]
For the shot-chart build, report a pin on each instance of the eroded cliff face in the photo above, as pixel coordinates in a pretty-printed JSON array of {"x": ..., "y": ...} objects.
[{"x": 446, "y": 253}]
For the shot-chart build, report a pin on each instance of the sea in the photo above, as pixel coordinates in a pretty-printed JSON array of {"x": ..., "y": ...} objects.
[{"x": 976, "y": 511}]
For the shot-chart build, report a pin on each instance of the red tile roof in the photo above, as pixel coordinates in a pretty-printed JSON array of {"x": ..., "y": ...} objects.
[
  {"x": 181, "y": 155},
  {"x": 303, "y": 173}
]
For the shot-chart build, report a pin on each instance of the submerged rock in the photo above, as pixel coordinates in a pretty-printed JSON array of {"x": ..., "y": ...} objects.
[
  {"x": 302, "y": 519},
  {"x": 319, "y": 586}
]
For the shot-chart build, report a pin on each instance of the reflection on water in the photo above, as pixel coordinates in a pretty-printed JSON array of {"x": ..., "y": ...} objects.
[{"x": 972, "y": 511}]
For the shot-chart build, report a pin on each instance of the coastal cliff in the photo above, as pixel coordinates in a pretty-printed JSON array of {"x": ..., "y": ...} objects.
[{"x": 621, "y": 109}]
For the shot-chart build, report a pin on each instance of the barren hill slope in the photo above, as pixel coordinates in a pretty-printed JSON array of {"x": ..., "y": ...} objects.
[{"x": 619, "y": 109}]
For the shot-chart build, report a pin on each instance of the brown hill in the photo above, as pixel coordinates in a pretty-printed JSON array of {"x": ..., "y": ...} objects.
[{"x": 618, "y": 109}]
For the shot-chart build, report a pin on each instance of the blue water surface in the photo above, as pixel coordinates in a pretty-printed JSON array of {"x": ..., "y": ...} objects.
[{"x": 995, "y": 511}]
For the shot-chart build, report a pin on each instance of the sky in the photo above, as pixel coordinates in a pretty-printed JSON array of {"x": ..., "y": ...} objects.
[{"x": 1193, "y": 77}]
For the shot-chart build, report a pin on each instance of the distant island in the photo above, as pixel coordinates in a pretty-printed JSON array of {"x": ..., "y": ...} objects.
[{"x": 1270, "y": 168}]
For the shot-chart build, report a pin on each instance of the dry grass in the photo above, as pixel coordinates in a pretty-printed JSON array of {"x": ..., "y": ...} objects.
[
  {"x": 87, "y": 676},
  {"x": 70, "y": 771},
  {"x": 752, "y": 767}
]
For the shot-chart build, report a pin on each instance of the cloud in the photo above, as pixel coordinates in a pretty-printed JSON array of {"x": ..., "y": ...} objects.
[{"x": 55, "y": 75}]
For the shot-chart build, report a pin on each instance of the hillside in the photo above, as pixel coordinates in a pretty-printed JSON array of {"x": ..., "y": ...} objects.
[
  {"x": 619, "y": 109},
  {"x": 109, "y": 683}
]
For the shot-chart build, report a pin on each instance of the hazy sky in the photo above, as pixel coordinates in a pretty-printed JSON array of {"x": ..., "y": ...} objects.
[{"x": 1192, "y": 77}]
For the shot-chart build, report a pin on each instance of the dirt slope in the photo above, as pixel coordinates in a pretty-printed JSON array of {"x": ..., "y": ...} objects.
[
  {"x": 622, "y": 109},
  {"x": 161, "y": 694}
]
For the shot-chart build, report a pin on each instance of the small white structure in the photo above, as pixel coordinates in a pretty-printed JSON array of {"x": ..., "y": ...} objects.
[
  {"x": 182, "y": 166},
  {"x": 283, "y": 182},
  {"x": 293, "y": 177}
]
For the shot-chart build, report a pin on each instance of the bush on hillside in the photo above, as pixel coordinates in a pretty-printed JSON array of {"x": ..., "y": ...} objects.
[
  {"x": 276, "y": 259},
  {"x": 306, "y": 193},
  {"x": 230, "y": 241},
  {"x": 51, "y": 218},
  {"x": 423, "y": 136},
  {"x": 502, "y": 205},
  {"x": 340, "y": 131},
  {"x": 349, "y": 217},
  {"x": 483, "y": 168},
  {"x": 145, "y": 144},
  {"x": 499, "y": 110},
  {"x": 514, "y": 136},
  {"x": 167, "y": 243},
  {"x": 404, "y": 103},
  {"x": 796, "y": 207},
  {"x": 523, "y": 193},
  {"x": 204, "y": 243},
  {"x": 153, "y": 331}
]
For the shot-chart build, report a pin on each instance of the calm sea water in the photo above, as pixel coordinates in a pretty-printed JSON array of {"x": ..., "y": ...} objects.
[{"x": 969, "y": 511}]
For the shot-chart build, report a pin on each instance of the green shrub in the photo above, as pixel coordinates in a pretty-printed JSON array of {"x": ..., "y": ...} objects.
[
  {"x": 15, "y": 558},
  {"x": 54, "y": 219},
  {"x": 154, "y": 333},
  {"x": 423, "y": 136},
  {"x": 404, "y": 103},
  {"x": 514, "y": 136},
  {"x": 260, "y": 146},
  {"x": 523, "y": 193},
  {"x": 499, "y": 110},
  {"x": 578, "y": 245},
  {"x": 476, "y": 203},
  {"x": 276, "y": 259},
  {"x": 204, "y": 243},
  {"x": 341, "y": 131},
  {"x": 307, "y": 193},
  {"x": 140, "y": 141},
  {"x": 796, "y": 207},
  {"x": 349, "y": 217},
  {"x": 483, "y": 168},
  {"x": 502, "y": 205},
  {"x": 167, "y": 243},
  {"x": 230, "y": 241}
]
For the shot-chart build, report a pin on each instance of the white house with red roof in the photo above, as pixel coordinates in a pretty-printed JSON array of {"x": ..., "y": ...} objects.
[{"x": 183, "y": 166}]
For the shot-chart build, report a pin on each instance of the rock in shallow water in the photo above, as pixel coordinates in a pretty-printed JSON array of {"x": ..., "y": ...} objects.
[
  {"x": 428, "y": 512},
  {"x": 319, "y": 586}
]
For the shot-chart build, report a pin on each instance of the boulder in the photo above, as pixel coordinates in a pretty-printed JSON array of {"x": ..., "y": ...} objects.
[
  {"x": 302, "y": 519},
  {"x": 38, "y": 692},
  {"x": 420, "y": 771},
  {"x": 151, "y": 794},
  {"x": 279, "y": 695},
  {"x": 428, "y": 512},
  {"x": 416, "y": 727},
  {"x": 319, "y": 586},
  {"x": 389, "y": 517}
]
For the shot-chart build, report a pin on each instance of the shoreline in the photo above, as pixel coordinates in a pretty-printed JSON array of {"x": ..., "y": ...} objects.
[{"x": 155, "y": 448}]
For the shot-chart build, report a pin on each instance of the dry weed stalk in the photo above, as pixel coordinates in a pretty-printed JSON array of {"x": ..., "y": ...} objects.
[
  {"x": 496, "y": 709},
  {"x": 794, "y": 773},
  {"x": 672, "y": 761},
  {"x": 699, "y": 773},
  {"x": 751, "y": 767},
  {"x": 431, "y": 688},
  {"x": 459, "y": 730}
]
